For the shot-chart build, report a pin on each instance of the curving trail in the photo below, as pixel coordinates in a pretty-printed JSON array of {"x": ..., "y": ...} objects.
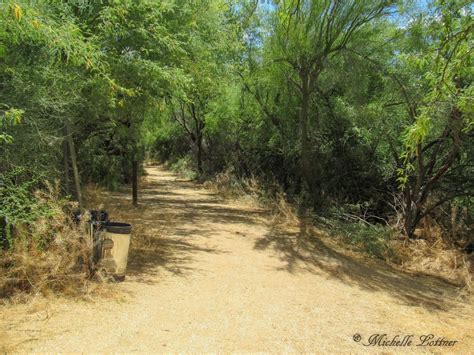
[{"x": 211, "y": 275}]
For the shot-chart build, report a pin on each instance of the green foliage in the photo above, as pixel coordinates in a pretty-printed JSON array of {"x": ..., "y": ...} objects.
[
  {"x": 369, "y": 235},
  {"x": 10, "y": 117},
  {"x": 336, "y": 102},
  {"x": 371, "y": 239},
  {"x": 21, "y": 205},
  {"x": 444, "y": 70},
  {"x": 184, "y": 167}
]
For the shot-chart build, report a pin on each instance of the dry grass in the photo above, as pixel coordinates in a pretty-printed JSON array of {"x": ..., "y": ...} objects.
[
  {"x": 436, "y": 259},
  {"x": 48, "y": 256},
  {"x": 51, "y": 256},
  {"x": 228, "y": 186},
  {"x": 250, "y": 192},
  {"x": 284, "y": 214}
]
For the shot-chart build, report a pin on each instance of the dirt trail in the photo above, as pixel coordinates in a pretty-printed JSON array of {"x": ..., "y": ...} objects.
[{"x": 221, "y": 279}]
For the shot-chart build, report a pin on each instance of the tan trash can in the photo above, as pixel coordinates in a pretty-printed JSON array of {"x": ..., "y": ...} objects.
[{"x": 115, "y": 245}]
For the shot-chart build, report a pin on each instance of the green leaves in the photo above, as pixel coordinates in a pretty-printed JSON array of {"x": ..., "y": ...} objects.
[
  {"x": 359, "y": 93},
  {"x": 9, "y": 117},
  {"x": 442, "y": 68},
  {"x": 17, "y": 11},
  {"x": 418, "y": 132},
  {"x": 13, "y": 116}
]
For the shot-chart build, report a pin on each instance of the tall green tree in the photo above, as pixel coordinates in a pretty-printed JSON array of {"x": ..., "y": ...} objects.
[
  {"x": 209, "y": 67},
  {"x": 437, "y": 141},
  {"x": 142, "y": 46}
]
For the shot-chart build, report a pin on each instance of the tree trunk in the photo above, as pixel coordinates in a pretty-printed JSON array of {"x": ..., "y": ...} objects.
[
  {"x": 420, "y": 187},
  {"x": 135, "y": 182},
  {"x": 304, "y": 158},
  {"x": 75, "y": 170},
  {"x": 410, "y": 223},
  {"x": 303, "y": 122},
  {"x": 199, "y": 154},
  {"x": 67, "y": 189},
  {"x": 3, "y": 233}
]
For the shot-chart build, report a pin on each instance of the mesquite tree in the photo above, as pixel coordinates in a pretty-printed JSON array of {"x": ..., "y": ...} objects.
[
  {"x": 439, "y": 137},
  {"x": 304, "y": 38}
]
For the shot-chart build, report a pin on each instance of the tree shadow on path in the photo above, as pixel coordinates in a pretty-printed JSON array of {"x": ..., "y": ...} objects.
[
  {"x": 173, "y": 226},
  {"x": 308, "y": 252}
]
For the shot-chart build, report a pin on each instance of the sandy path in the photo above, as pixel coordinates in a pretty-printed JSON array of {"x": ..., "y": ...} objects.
[{"x": 220, "y": 279}]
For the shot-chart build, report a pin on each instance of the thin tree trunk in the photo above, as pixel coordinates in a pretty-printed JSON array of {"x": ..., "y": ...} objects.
[
  {"x": 304, "y": 159},
  {"x": 410, "y": 223},
  {"x": 3, "y": 234},
  {"x": 199, "y": 154},
  {"x": 303, "y": 118},
  {"x": 75, "y": 170},
  {"x": 135, "y": 182},
  {"x": 199, "y": 124},
  {"x": 67, "y": 188},
  {"x": 411, "y": 212}
]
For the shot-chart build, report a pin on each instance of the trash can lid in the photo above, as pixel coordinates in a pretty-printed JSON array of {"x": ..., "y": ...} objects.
[{"x": 118, "y": 228}]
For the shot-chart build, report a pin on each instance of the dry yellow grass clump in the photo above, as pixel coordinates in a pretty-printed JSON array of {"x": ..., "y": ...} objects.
[
  {"x": 47, "y": 255},
  {"x": 436, "y": 259}
]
